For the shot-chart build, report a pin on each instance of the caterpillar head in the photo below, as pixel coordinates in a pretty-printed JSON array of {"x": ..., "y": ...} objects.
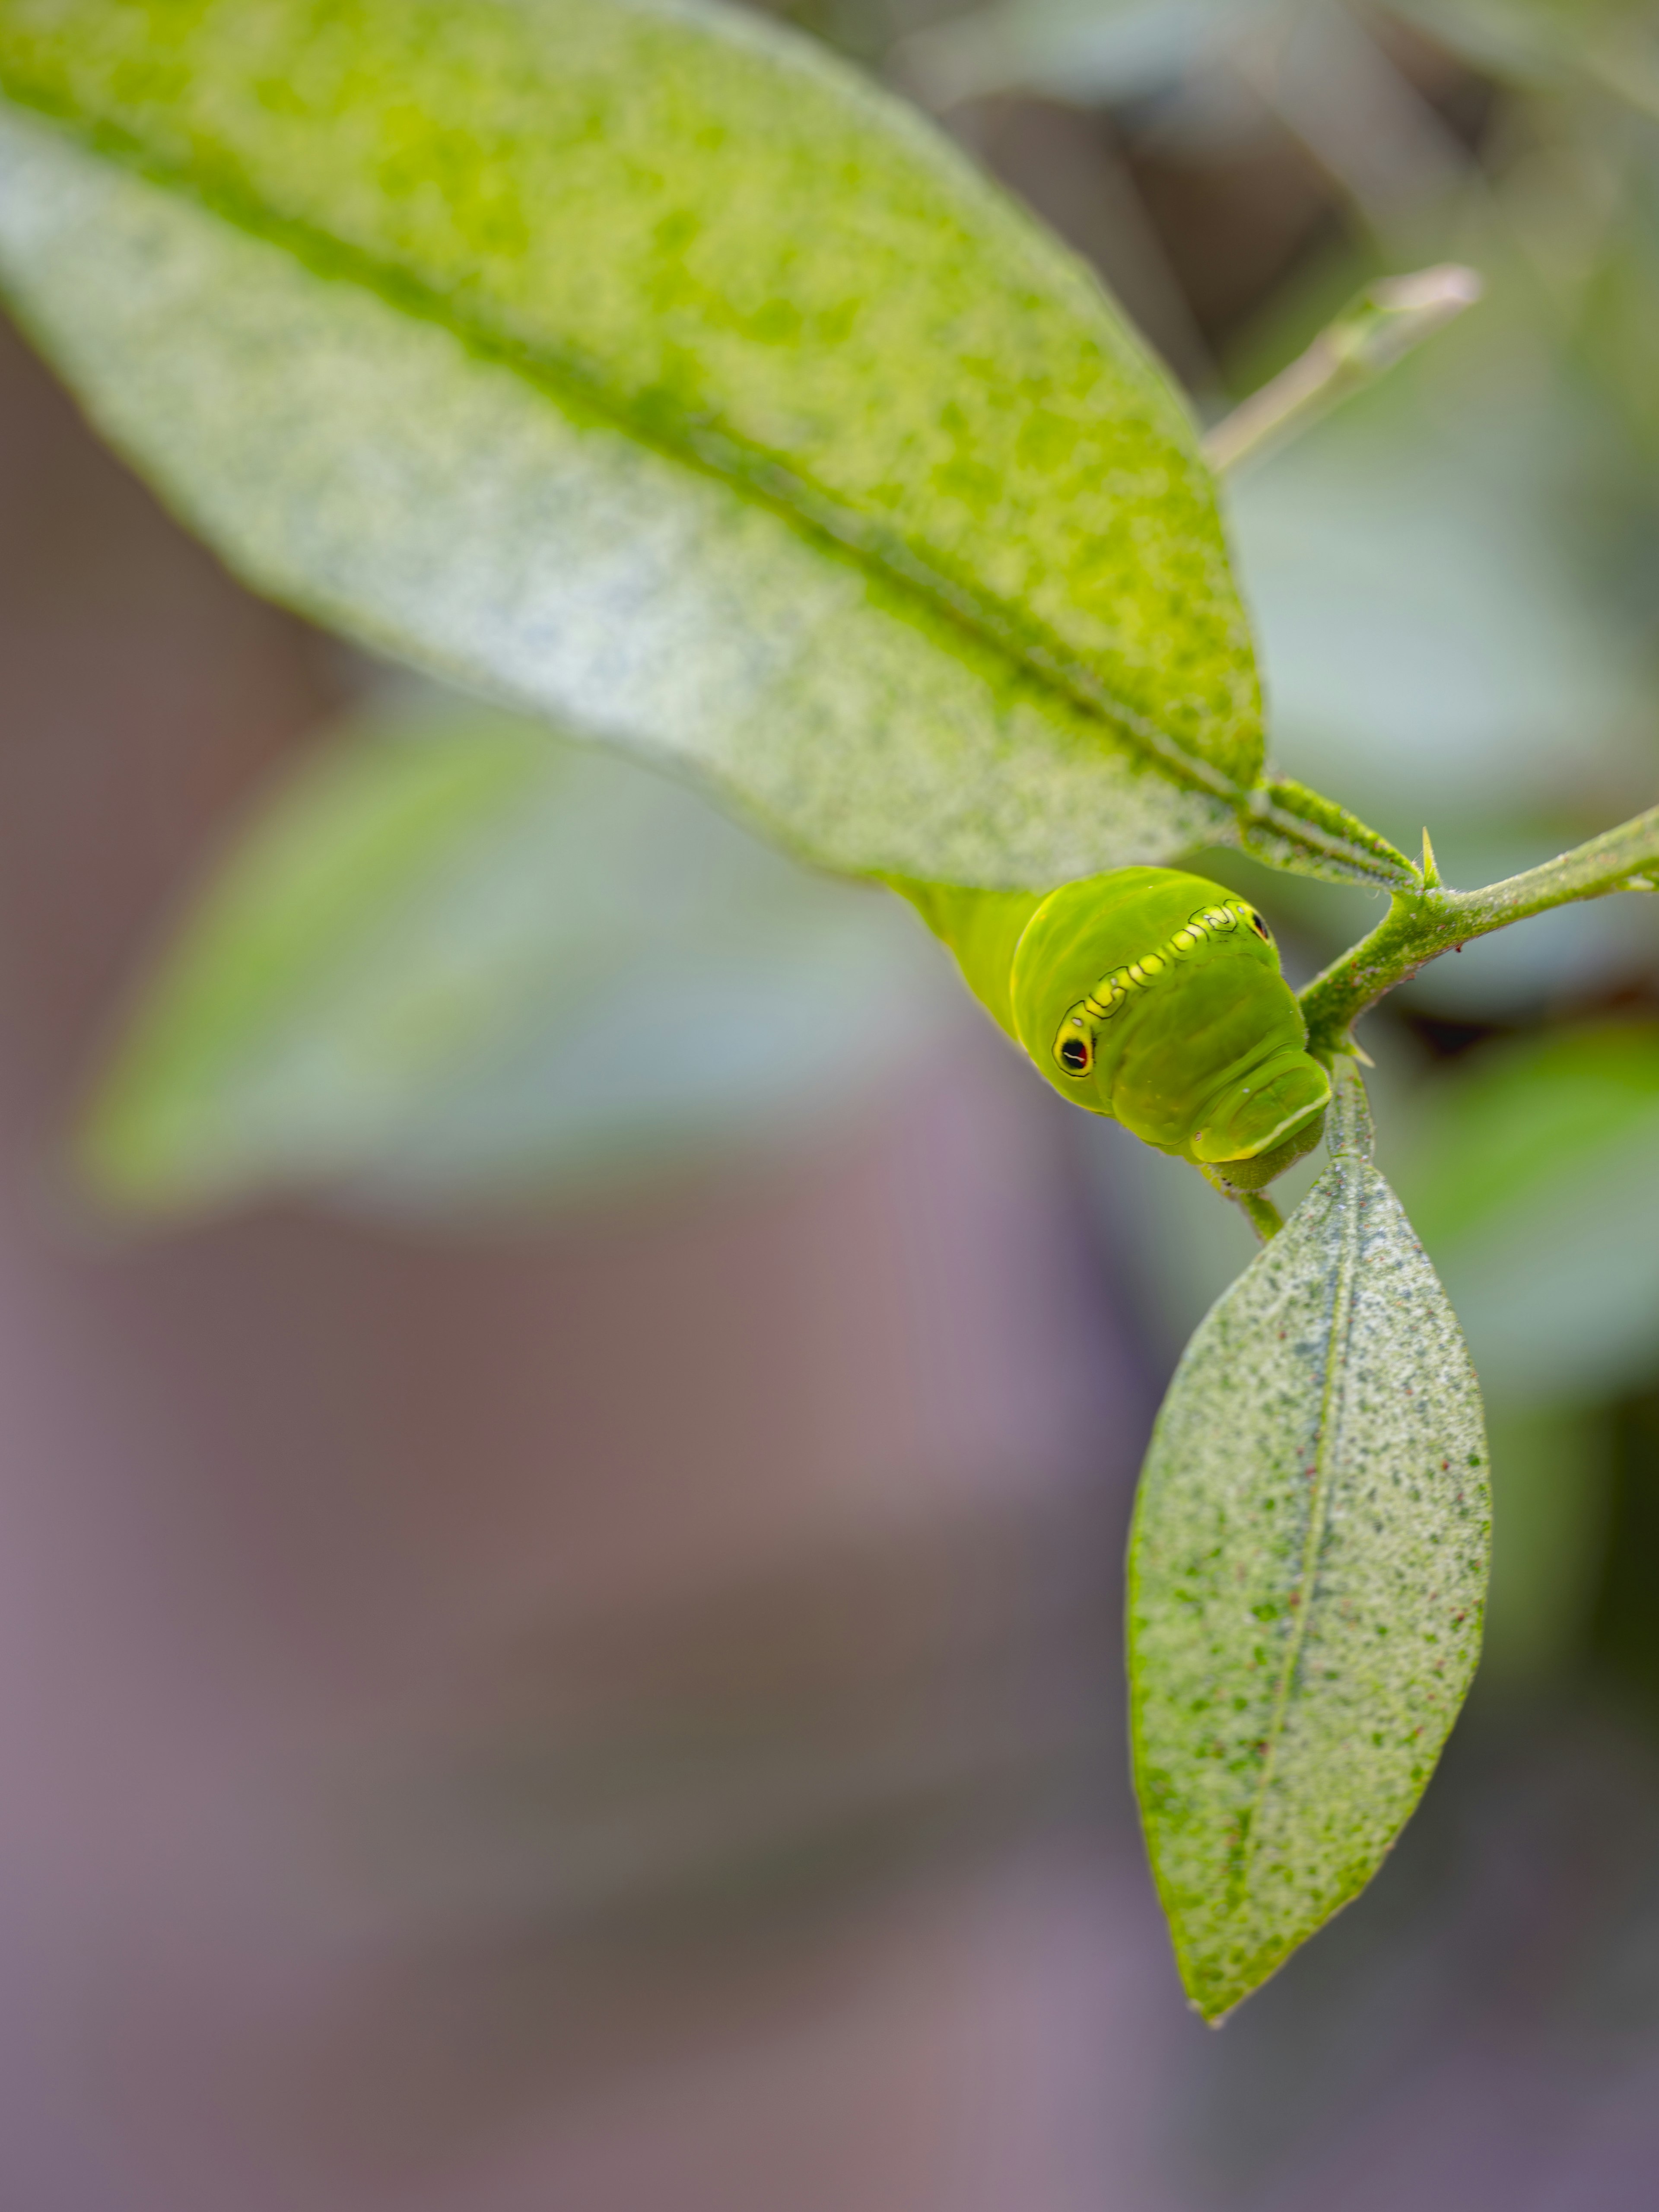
[
  {"x": 1148, "y": 995},
  {"x": 1262, "y": 1108}
]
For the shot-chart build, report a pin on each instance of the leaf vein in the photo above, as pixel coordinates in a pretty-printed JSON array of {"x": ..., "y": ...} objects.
[
  {"x": 1351, "y": 1199},
  {"x": 716, "y": 452}
]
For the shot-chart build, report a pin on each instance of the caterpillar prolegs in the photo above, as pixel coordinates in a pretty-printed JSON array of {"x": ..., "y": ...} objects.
[{"x": 1151, "y": 997}]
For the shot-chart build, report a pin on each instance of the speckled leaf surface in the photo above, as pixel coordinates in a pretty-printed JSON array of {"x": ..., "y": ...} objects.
[
  {"x": 1307, "y": 1575},
  {"x": 641, "y": 363}
]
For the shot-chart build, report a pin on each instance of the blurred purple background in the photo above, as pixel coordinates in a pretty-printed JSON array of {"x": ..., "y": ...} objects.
[{"x": 620, "y": 1708}]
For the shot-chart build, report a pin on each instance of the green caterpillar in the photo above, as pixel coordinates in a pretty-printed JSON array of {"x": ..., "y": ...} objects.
[{"x": 1150, "y": 996}]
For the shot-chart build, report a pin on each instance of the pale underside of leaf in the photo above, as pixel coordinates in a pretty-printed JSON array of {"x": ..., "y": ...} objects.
[
  {"x": 719, "y": 410},
  {"x": 1308, "y": 1571},
  {"x": 344, "y": 453}
]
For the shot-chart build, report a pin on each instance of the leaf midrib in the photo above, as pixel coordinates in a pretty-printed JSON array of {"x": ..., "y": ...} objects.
[
  {"x": 722, "y": 455},
  {"x": 1336, "y": 1351}
]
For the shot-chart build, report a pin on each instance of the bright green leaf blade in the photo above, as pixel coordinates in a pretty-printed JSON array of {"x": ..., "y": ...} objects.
[
  {"x": 456, "y": 964},
  {"x": 644, "y": 365},
  {"x": 1307, "y": 1574}
]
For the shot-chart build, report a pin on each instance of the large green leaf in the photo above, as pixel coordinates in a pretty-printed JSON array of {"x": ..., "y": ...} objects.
[
  {"x": 453, "y": 963},
  {"x": 641, "y": 363},
  {"x": 1307, "y": 1575}
]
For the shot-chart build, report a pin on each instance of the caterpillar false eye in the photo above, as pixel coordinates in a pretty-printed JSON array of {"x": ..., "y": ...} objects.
[{"x": 1139, "y": 996}]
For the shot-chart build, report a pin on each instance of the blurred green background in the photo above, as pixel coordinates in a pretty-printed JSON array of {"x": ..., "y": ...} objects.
[{"x": 495, "y": 1041}]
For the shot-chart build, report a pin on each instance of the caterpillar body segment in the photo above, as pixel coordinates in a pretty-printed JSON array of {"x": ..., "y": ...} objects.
[
  {"x": 983, "y": 929},
  {"x": 1151, "y": 997}
]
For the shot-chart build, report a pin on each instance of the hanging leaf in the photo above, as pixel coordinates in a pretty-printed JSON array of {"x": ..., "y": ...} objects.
[
  {"x": 453, "y": 965},
  {"x": 645, "y": 366},
  {"x": 1307, "y": 1575}
]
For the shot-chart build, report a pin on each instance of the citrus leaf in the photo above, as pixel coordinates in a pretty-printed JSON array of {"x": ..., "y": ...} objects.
[
  {"x": 1307, "y": 1572},
  {"x": 1291, "y": 827},
  {"x": 453, "y": 965},
  {"x": 643, "y": 365}
]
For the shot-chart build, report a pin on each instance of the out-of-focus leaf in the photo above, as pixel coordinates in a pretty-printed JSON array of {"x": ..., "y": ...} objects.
[
  {"x": 1552, "y": 1476},
  {"x": 1306, "y": 1579},
  {"x": 457, "y": 964},
  {"x": 1431, "y": 650},
  {"x": 1453, "y": 630},
  {"x": 1616, "y": 335},
  {"x": 1606, "y": 42},
  {"x": 1093, "y": 52},
  {"x": 1535, "y": 1183},
  {"x": 642, "y": 364}
]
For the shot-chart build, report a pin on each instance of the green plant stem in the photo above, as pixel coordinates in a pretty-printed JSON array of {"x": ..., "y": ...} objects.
[
  {"x": 1375, "y": 331},
  {"x": 1420, "y": 925},
  {"x": 1258, "y": 1209}
]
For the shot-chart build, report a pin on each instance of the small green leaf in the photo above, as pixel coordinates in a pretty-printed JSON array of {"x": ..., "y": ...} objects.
[
  {"x": 1289, "y": 826},
  {"x": 455, "y": 964},
  {"x": 1307, "y": 1575},
  {"x": 641, "y": 364}
]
